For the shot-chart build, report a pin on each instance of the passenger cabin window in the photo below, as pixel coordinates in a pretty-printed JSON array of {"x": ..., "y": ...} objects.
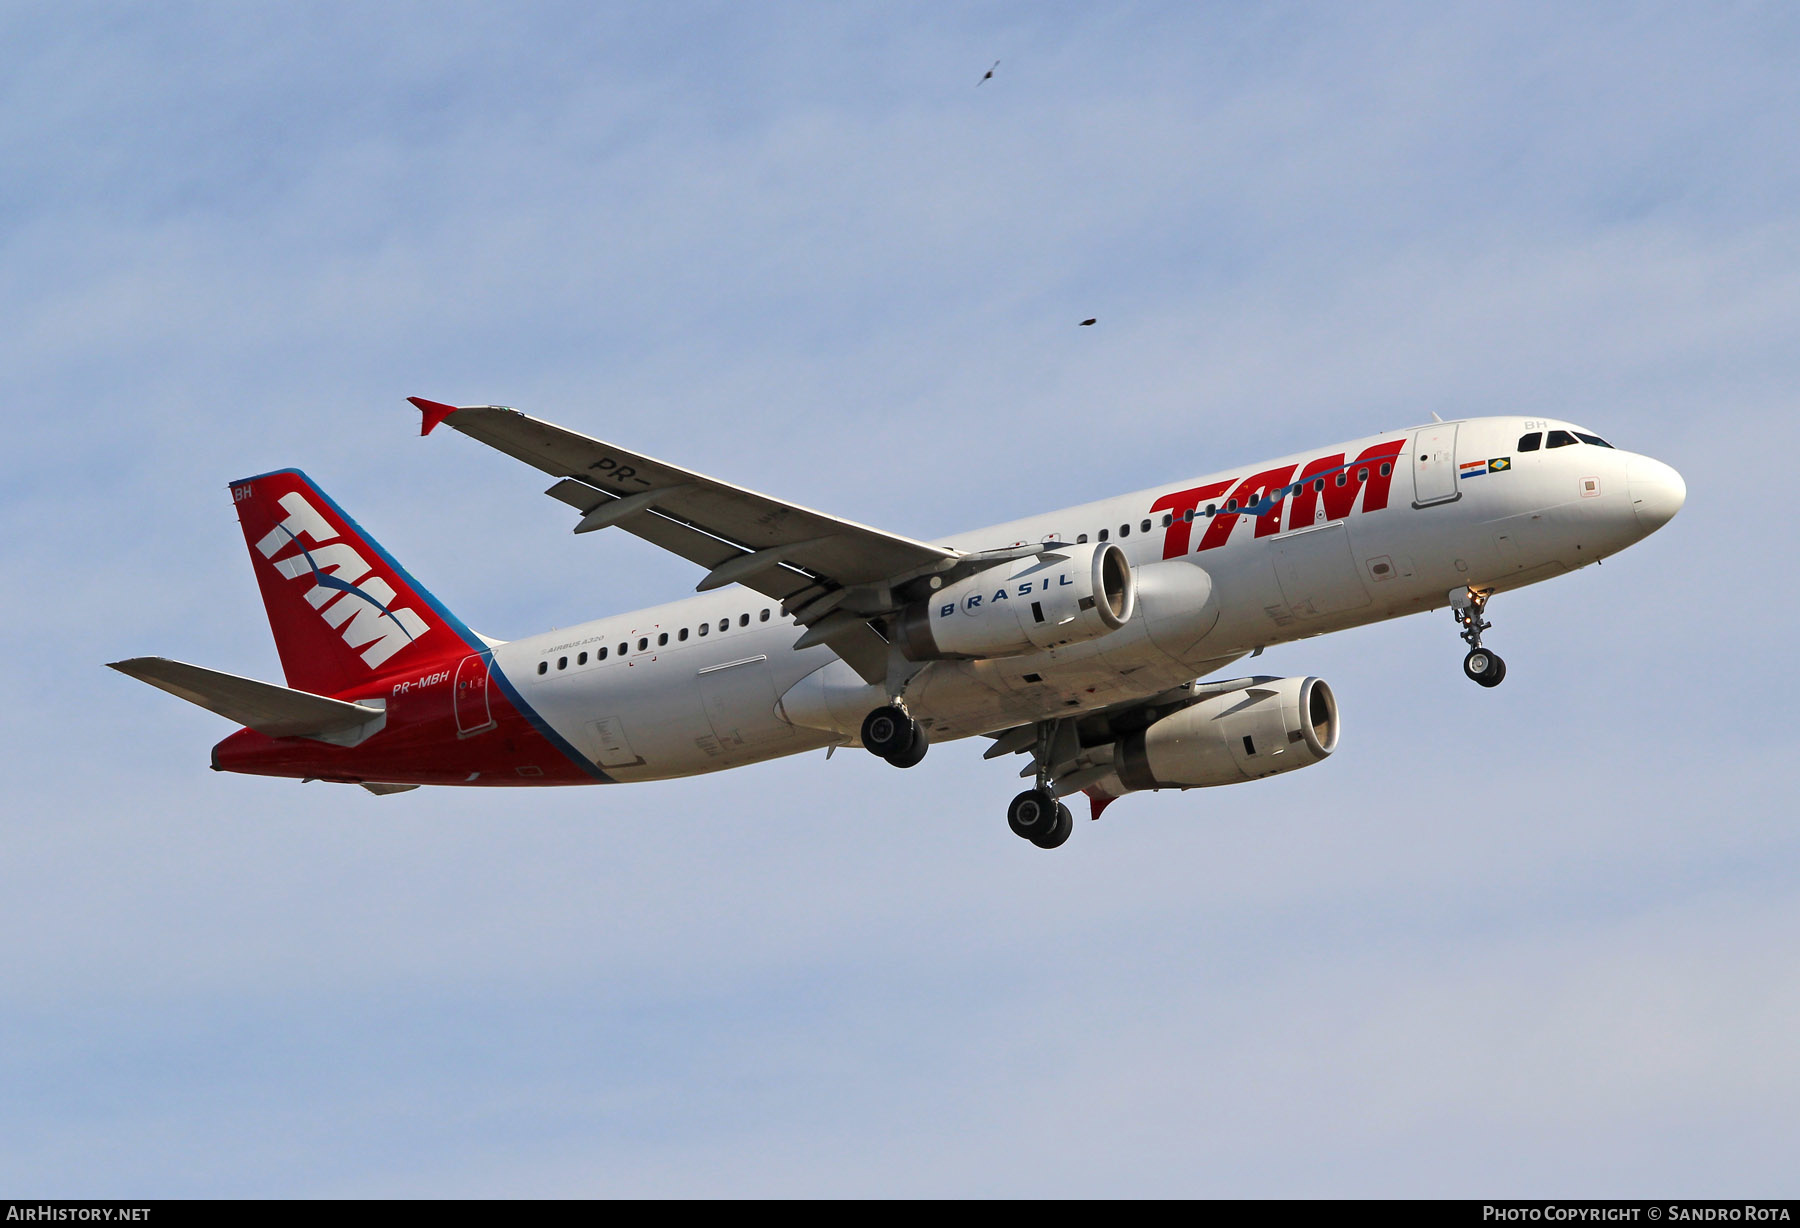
[
  {"x": 1386, "y": 469},
  {"x": 582, "y": 659},
  {"x": 624, "y": 648},
  {"x": 1168, "y": 519},
  {"x": 543, "y": 667},
  {"x": 1124, "y": 530},
  {"x": 1102, "y": 536},
  {"x": 724, "y": 624},
  {"x": 763, "y": 617},
  {"x": 683, "y": 634},
  {"x": 1529, "y": 443},
  {"x": 1593, "y": 439},
  {"x": 743, "y": 620},
  {"x": 1081, "y": 539},
  {"x": 1559, "y": 439},
  {"x": 562, "y": 663},
  {"x": 600, "y": 653},
  {"x": 705, "y": 627},
  {"x": 662, "y": 639},
  {"x": 643, "y": 643}
]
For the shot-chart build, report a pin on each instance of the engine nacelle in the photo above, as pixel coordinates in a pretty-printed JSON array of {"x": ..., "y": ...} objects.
[
  {"x": 1062, "y": 596},
  {"x": 1272, "y": 726}
]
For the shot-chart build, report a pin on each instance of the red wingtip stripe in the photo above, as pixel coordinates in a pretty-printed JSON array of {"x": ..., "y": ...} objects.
[
  {"x": 434, "y": 411},
  {"x": 1098, "y": 801}
]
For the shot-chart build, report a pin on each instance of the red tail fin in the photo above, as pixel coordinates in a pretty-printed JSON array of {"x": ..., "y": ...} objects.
[{"x": 342, "y": 610}]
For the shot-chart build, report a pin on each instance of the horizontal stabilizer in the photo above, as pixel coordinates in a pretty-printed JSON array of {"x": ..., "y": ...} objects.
[{"x": 277, "y": 711}]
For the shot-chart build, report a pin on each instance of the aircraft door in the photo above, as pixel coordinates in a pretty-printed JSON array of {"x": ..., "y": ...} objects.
[
  {"x": 1434, "y": 465},
  {"x": 472, "y": 712}
]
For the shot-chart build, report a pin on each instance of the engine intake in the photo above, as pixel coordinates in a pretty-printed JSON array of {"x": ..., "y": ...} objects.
[
  {"x": 1062, "y": 596},
  {"x": 1274, "y": 725}
]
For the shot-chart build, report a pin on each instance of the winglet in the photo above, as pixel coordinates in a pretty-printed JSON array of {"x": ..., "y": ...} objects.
[
  {"x": 1098, "y": 802},
  {"x": 434, "y": 411}
]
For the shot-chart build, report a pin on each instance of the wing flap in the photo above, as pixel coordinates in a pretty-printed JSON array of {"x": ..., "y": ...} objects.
[
  {"x": 863, "y": 650},
  {"x": 682, "y": 539},
  {"x": 859, "y": 645}
]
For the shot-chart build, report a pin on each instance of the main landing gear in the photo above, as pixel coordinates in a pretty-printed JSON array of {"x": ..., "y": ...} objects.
[
  {"x": 893, "y": 735},
  {"x": 890, "y": 733},
  {"x": 1480, "y": 665},
  {"x": 1037, "y": 816}
]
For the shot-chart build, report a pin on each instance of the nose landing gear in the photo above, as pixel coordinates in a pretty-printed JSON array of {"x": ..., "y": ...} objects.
[
  {"x": 891, "y": 734},
  {"x": 1480, "y": 665}
]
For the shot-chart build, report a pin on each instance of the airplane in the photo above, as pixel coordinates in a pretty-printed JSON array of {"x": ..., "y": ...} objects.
[{"x": 1090, "y": 639}]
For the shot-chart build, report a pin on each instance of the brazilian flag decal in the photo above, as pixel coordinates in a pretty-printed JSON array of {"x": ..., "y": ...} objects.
[{"x": 1499, "y": 464}]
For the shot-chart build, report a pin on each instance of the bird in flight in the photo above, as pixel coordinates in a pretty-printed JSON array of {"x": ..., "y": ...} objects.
[
  {"x": 1088, "y": 321},
  {"x": 987, "y": 74}
]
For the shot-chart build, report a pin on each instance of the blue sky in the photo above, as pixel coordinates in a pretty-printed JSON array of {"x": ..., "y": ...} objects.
[{"x": 1538, "y": 941}]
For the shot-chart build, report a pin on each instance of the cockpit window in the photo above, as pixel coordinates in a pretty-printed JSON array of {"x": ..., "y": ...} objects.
[
  {"x": 1593, "y": 439},
  {"x": 1529, "y": 443},
  {"x": 1560, "y": 439}
]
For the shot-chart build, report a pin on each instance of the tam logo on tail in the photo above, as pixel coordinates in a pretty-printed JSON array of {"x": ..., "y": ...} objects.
[
  {"x": 342, "y": 609},
  {"x": 352, "y": 600}
]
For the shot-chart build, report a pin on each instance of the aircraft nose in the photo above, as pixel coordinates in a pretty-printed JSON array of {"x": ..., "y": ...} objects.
[{"x": 1657, "y": 492}]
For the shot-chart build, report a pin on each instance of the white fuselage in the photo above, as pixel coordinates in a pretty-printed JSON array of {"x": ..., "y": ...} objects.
[{"x": 650, "y": 695}]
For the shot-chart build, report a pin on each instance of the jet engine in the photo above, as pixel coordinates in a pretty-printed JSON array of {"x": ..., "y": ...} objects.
[
  {"x": 1273, "y": 725},
  {"x": 1062, "y": 596}
]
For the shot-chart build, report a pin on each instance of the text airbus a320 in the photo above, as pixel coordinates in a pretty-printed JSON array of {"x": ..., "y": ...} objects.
[{"x": 1092, "y": 640}]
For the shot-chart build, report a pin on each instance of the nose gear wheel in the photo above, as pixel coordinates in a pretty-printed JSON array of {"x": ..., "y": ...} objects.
[{"x": 1468, "y": 606}]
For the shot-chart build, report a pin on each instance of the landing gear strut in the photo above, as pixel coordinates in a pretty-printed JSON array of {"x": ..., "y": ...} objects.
[
  {"x": 1037, "y": 816},
  {"x": 893, "y": 735},
  {"x": 1480, "y": 665}
]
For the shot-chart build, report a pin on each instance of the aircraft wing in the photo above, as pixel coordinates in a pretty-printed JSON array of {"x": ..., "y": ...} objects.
[{"x": 829, "y": 573}]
